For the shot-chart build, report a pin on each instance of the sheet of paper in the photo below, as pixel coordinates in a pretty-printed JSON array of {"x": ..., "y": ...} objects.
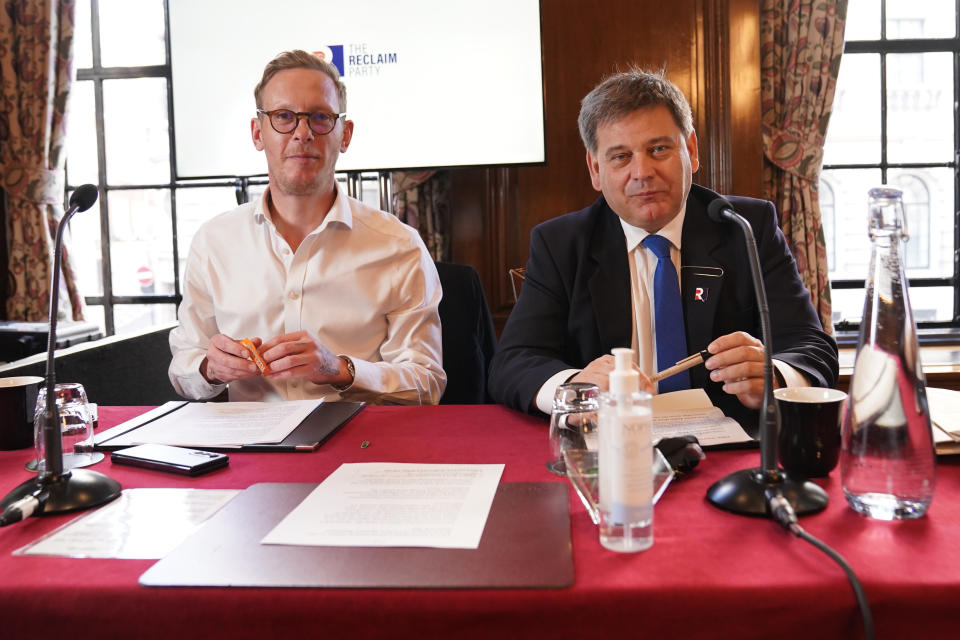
[
  {"x": 384, "y": 504},
  {"x": 945, "y": 415},
  {"x": 690, "y": 412},
  {"x": 141, "y": 524},
  {"x": 222, "y": 424}
]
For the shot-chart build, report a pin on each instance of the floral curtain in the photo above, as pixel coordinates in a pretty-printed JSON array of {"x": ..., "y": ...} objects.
[
  {"x": 800, "y": 46},
  {"x": 36, "y": 44},
  {"x": 422, "y": 200}
]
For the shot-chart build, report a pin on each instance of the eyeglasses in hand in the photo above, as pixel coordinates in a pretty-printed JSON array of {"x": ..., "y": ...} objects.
[{"x": 285, "y": 120}]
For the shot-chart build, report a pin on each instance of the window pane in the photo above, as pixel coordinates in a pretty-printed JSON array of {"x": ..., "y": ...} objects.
[
  {"x": 94, "y": 313},
  {"x": 928, "y": 206},
  {"x": 129, "y": 318},
  {"x": 849, "y": 188},
  {"x": 194, "y": 207},
  {"x": 82, "y": 135},
  {"x": 136, "y": 132},
  {"x": 853, "y": 135},
  {"x": 932, "y": 304},
  {"x": 82, "y": 42},
  {"x": 923, "y": 19},
  {"x": 132, "y": 33},
  {"x": 847, "y": 305},
  {"x": 141, "y": 242},
  {"x": 83, "y": 243},
  {"x": 920, "y": 107},
  {"x": 863, "y": 20}
]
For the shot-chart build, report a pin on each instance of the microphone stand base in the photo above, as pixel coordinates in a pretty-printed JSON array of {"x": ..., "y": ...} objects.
[
  {"x": 73, "y": 491},
  {"x": 744, "y": 492}
]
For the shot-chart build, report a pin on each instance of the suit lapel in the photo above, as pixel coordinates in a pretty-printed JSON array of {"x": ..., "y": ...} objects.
[
  {"x": 702, "y": 274},
  {"x": 609, "y": 284}
]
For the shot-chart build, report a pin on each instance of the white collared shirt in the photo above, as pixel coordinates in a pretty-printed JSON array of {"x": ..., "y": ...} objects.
[{"x": 362, "y": 282}]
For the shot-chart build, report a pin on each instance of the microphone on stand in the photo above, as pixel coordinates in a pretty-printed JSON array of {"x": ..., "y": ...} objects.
[
  {"x": 749, "y": 491},
  {"x": 55, "y": 490}
]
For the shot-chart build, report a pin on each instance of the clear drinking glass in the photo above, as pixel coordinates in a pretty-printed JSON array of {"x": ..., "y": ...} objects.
[
  {"x": 573, "y": 422},
  {"x": 76, "y": 426}
]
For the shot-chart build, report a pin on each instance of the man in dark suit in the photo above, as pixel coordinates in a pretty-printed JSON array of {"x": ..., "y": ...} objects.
[{"x": 590, "y": 277}]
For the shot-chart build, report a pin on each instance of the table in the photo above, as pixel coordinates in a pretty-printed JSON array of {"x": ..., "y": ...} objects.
[{"x": 709, "y": 573}]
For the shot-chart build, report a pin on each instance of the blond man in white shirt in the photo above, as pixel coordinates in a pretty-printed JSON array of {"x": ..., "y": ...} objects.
[{"x": 340, "y": 298}]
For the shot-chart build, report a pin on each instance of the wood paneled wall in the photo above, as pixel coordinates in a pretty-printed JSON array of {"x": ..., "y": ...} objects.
[{"x": 709, "y": 48}]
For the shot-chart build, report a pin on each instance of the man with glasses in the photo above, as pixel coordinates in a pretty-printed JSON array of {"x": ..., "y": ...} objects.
[{"x": 339, "y": 298}]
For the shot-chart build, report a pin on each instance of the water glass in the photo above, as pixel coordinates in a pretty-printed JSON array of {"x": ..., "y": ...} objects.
[
  {"x": 573, "y": 422},
  {"x": 76, "y": 424}
]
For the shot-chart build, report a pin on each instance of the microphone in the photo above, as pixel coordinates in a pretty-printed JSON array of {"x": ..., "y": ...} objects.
[
  {"x": 55, "y": 490},
  {"x": 746, "y": 491},
  {"x": 82, "y": 199}
]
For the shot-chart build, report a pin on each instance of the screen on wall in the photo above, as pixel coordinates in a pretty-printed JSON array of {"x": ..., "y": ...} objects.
[{"x": 430, "y": 83}]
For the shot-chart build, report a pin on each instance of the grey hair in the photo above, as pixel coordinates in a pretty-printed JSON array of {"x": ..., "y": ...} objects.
[{"x": 625, "y": 92}]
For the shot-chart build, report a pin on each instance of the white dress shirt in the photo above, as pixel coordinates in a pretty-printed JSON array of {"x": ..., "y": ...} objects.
[
  {"x": 643, "y": 265},
  {"x": 362, "y": 282}
]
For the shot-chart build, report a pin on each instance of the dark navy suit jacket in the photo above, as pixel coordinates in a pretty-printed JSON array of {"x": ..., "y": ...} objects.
[{"x": 575, "y": 303}]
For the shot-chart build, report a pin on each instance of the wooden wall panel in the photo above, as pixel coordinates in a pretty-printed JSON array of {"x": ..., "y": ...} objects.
[{"x": 495, "y": 208}]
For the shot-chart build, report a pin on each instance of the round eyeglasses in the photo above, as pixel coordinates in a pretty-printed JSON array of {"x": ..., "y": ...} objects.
[{"x": 285, "y": 120}]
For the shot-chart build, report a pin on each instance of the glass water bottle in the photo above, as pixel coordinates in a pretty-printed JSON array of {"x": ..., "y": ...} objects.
[{"x": 887, "y": 462}]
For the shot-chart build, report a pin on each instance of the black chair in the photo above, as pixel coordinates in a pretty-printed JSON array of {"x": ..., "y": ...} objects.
[
  {"x": 469, "y": 339},
  {"x": 118, "y": 370}
]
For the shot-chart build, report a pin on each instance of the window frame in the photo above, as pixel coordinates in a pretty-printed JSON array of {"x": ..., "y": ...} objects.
[{"x": 931, "y": 331}]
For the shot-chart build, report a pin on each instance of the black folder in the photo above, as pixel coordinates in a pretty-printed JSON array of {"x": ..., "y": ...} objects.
[
  {"x": 525, "y": 543},
  {"x": 315, "y": 429}
]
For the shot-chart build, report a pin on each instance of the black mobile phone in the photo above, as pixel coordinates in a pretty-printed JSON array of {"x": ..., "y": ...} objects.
[{"x": 188, "y": 462}]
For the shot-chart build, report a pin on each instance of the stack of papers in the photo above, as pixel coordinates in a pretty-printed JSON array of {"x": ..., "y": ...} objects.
[
  {"x": 690, "y": 412},
  {"x": 945, "y": 418}
]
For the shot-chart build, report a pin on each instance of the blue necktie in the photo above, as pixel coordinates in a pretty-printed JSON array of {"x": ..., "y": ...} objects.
[{"x": 668, "y": 315}]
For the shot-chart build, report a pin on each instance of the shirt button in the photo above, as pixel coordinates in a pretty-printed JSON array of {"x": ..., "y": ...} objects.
[
  {"x": 293, "y": 295},
  {"x": 285, "y": 251}
]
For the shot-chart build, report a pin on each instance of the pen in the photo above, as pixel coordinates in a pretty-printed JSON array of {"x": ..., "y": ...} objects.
[{"x": 687, "y": 363}]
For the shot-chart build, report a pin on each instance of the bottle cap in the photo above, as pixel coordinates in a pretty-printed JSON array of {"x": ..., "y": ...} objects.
[{"x": 623, "y": 378}]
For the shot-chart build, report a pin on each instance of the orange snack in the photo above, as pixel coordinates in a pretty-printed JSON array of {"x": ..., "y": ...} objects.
[{"x": 255, "y": 355}]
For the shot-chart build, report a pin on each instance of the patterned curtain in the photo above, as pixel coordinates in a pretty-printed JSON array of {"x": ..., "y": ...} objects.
[
  {"x": 422, "y": 200},
  {"x": 36, "y": 45},
  {"x": 800, "y": 46}
]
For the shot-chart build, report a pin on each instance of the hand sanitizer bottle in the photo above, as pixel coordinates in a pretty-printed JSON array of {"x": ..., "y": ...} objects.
[{"x": 625, "y": 460}]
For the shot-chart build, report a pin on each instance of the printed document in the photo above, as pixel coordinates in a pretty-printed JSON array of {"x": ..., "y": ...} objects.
[
  {"x": 690, "y": 412},
  {"x": 217, "y": 424},
  {"x": 142, "y": 524},
  {"x": 384, "y": 504}
]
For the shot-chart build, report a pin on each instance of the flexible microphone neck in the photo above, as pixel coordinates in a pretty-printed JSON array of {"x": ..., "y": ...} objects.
[
  {"x": 720, "y": 210},
  {"x": 81, "y": 200}
]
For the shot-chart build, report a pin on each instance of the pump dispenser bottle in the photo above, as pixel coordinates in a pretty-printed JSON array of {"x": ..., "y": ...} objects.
[{"x": 625, "y": 460}]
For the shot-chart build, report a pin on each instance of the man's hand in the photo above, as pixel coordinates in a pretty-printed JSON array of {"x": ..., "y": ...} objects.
[
  {"x": 302, "y": 355},
  {"x": 598, "y": 373},
  {"x": 227, "y": 360},
  {"x": 737, "y": 362}
]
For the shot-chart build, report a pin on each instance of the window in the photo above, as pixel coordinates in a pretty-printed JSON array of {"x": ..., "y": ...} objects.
[
  {"x": 128, "y": 251},
  {"x": 827, "y": 220},
  {"x": 895, "y": 122}
]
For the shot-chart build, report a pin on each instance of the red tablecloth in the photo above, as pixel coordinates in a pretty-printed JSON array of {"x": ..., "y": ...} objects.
[{"x": 709, "y": 574}]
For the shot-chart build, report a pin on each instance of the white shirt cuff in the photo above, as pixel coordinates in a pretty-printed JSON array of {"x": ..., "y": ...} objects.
[
  {"x": 549, "y": 389},
  {"x": 791, "y": 376}
]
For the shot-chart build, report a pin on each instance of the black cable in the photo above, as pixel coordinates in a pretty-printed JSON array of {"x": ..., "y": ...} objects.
[
  {"x": 24, "y": 507},
  {"x": 784, "y": 515}
]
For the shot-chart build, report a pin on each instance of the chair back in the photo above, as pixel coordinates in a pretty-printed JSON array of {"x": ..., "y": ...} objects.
[{"x": 469, "y": 338}]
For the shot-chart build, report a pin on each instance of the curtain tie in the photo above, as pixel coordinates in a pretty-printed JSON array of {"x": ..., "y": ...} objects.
[
  {"x": 795, "y": 154},
  {"x": 33, "y": 184}
]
